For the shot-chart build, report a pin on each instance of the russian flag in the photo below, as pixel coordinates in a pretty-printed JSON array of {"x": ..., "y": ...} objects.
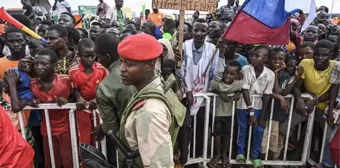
[{"x": 267, "y": 21}]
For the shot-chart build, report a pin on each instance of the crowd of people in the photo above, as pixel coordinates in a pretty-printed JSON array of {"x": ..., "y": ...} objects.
[{"x": 133, "y": 73}]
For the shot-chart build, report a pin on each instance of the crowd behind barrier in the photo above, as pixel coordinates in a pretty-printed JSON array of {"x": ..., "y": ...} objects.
[
  {"x": 73, "y": 129},
  {"x": 208, "y": 143}
]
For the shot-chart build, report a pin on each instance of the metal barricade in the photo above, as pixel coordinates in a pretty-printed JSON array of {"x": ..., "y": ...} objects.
[
  {"x": 201, "y": 159},
  {"x": 326, "y": 133},
  {"x": 73, "y": 129},
  {"x": 211, "y": 97},
  {"x": 208, "y": 98}
]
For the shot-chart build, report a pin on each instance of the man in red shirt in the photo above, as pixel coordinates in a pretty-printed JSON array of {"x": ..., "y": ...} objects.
[
  {"x": 86, "y": 77},
  {"x": 50, "y": 87},
  {"x": 14, "y": 150}
]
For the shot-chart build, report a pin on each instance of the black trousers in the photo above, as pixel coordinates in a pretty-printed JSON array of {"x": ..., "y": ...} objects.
[
  {"x": 199, "y": 132},
  {"x": 184, "y": 138},
  {"x": 38, "y": 147}
]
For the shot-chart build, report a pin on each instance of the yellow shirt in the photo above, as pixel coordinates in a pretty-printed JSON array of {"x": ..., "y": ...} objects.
[{"x": 316, "y": 82}]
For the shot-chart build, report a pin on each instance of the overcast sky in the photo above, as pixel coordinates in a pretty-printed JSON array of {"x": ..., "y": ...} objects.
[{"x": 136, "y": 5}]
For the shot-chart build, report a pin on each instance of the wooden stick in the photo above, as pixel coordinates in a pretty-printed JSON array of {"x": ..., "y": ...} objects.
[
  {"x": 181, "y": 37},
  {"x": 214, "y": 55},
  {"x": 224, "y": 34}
]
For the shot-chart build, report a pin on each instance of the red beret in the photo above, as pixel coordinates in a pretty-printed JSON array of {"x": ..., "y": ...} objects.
[{"x": 140, "y": 47}]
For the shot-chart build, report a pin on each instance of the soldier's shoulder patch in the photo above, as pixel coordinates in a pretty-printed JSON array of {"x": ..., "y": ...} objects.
[{"x": 138, "y": 105}]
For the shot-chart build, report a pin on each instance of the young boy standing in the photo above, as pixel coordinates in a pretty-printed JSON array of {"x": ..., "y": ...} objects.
[
  {"x": 258, "y": 80},
  {"x": 50, "y": 87},
  {"x": 282, "y": 87},
  {"x": 231, "y": 84},
  {"x": 86, "y": 77}
]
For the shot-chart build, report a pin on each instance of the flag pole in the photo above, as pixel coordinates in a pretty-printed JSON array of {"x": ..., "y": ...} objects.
[
  {"x": 332, "y": 9},
  {"x": 221, "y": 38}
]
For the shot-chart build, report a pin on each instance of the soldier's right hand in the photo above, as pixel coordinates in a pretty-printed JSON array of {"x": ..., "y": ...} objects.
[
  {"x": 98, "y": 133},
  {"x": 190, "y": 98}
]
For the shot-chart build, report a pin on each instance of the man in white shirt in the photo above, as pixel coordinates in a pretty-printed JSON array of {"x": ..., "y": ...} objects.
[
  {"x": 62, "y": 6},
  {"x": 197, "y": 53}
]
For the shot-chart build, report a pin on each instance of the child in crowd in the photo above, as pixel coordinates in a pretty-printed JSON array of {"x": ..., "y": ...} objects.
[
  {"x": 35, "y": 45},
  {"x": 306, "y": 50},
  {"x": 228, "y": 90},
  {"x": 50, "y": 87},
  {"x": 258, "y": 80},
  {"x": 294, "y": 76},
  {"x": 168, "y": 68},
  {"x": 335, "y": 39},
  {"x": 281, "y": 109},
  {"x": 16, "y": 94},
  {"x": 86, "y": 77}
]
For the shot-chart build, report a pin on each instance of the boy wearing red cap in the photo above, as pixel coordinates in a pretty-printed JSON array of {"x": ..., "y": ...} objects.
[
  {"x": 150, "y": 114},
  {"x": 86, "y": 77}
]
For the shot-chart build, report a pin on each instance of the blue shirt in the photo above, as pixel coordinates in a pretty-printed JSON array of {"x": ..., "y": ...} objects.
[
  {"x": 24, "y": 92},
  {"x": 158, "y": 34}
]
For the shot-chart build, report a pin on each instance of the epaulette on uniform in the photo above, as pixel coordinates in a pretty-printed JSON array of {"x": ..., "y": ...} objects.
[{"x": 138, "y": 105}]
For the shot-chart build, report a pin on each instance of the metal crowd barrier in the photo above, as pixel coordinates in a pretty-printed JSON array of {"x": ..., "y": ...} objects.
[
  {"x": 73, "y": 129},
  {"x": 205, "y": 158}
]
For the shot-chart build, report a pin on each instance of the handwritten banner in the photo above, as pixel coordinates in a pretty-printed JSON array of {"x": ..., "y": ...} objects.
[{"x": 195, "y": 5}]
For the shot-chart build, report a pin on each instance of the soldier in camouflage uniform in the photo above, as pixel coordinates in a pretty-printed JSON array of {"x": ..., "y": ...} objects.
[{"x": 153, "y": 116}]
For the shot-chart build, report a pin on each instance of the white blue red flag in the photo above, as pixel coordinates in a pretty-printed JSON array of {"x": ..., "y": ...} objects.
[{"x": 267, "y": 21}]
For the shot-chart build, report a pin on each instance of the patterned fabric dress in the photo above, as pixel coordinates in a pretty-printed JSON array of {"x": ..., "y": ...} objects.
[{"x": 8, "y": 108}]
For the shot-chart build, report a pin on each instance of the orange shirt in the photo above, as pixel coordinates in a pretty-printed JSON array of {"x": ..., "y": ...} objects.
[
  {"x": 58, "y": 118},
  {"x": 5, "y": 64},
  {"x": 156, "y": 18},
  {"x": 2, "y": 28}
]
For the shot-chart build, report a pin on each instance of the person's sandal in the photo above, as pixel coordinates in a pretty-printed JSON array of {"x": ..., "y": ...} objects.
[
  {"x": 213, "y": 165},
  {"x": 226, "y": 165},
  {"x": 240, "y": 159},
  {"x": 257, "y": 163}
]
